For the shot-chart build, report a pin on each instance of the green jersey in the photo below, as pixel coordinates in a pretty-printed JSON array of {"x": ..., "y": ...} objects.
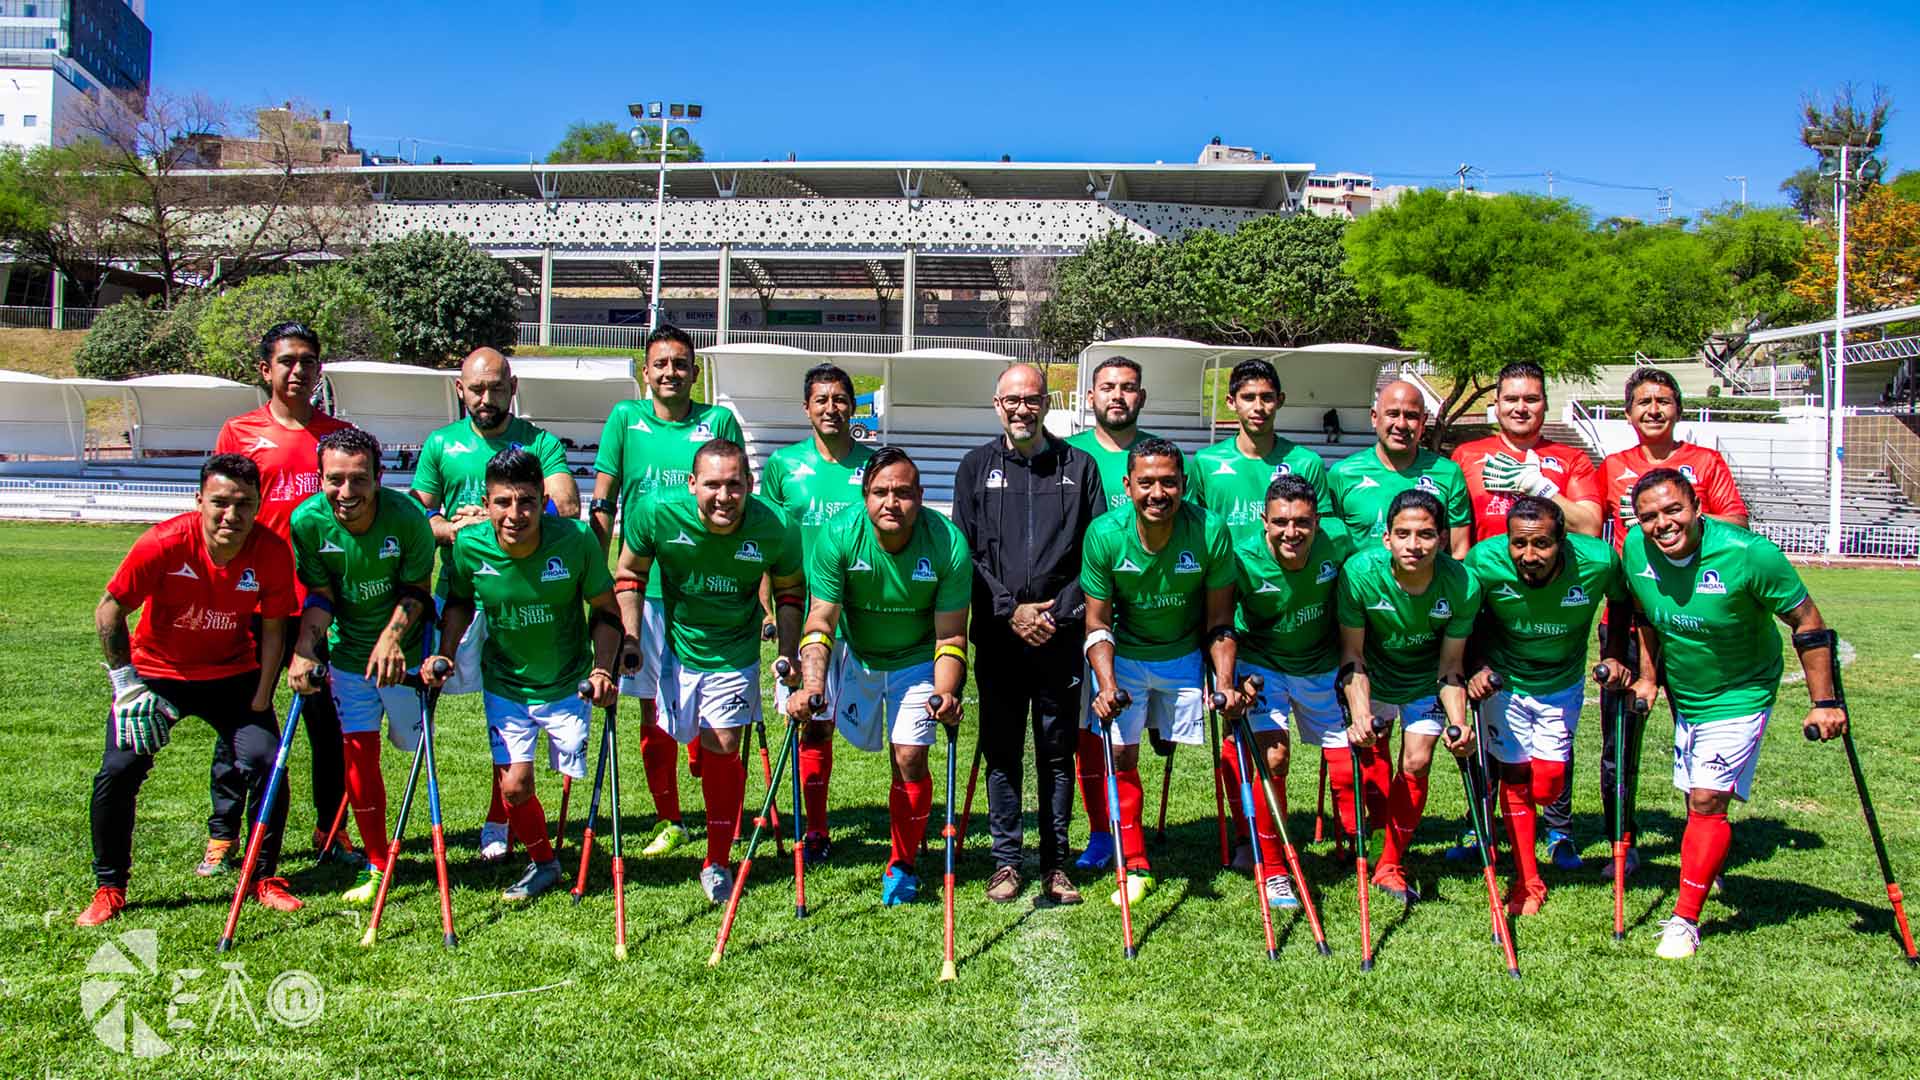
[
  {"x": 1159, "y": 597},
  {"x": 364, "y": 572},
  {"x": 1714, "y": 615},
  {"x": 1404, "y": 631},
  {"x": 643, "y": 452},
  {"x": 887, "y": 600},
  {"x": 1286, "y": 617},
  {"x": 1363, "y": 487},
  {"x": 810, "y": 488},
  {"x": 710, "y": 582},
  {"x": 1234, "y": 485},
  {"x": 1113, "y": 466},
  {"x": 537, "y": 649},
  {"x": 1536, "y": 637},
  {"x": 453, "y": 463}
]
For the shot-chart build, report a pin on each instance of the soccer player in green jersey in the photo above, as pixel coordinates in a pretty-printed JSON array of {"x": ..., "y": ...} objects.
[
  {"x": 543, "y": 584},
  {"x": 813, "y": 480},
  {"x": 1365, "y": 484},
  {"x": 365, "y": 554},
  {"x": 450, "y": 480},
  {"x": 648, "y": 445},
  {"x": 1115, "y": 396},
  {"x": 1406, "y": 610},
  {"x": 1285, "y": 583},
  {"x": 711, "y": 544},
  {"x": 1541, "y": 588},
  {"x": 1708, "y": 594},
  {"x": 896, "y": 578},
  {"x": 1234, "y": 473},
  {"x": 1158, "y": 576}
]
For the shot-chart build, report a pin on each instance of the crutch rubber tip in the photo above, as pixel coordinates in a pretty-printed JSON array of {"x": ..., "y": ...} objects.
[
  {"x": 225, "y": 944},
  {"x": 947, "y": 973},
  {"x": 713, "y": 958},
  {"x": 620, "y": 951},
  {"x": 451, "y": 941},
  {"x": 1325, "y": 950},
  {"x": 1273, "y": 954},
  {"x": 1812, "y": 732},
  {"x": 1366, "y": 965},
  {"x": 1131, "y": 953},
  {"x": 1619, "y": 937},
  {"x": 366, "y": 939},
  {"x": 1514, "y": 972},
  {"x": 799, "y": 911}
]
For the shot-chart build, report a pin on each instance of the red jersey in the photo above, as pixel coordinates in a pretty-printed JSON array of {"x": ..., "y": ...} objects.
[
  {"x": 198, "y": 615},
  {"x": 1568, "y": 466},
  {"x": 288, "y": 459},
  {"x": 1705, "y": 469}
]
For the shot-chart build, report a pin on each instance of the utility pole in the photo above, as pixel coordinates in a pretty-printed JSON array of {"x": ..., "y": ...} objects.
[
  {"x": 1462, "y": 172},
  {"x": 1851, "y": 149},
  {"x": 1742, "y": 181},
  {"x": 1549, "y": 183},
  {"x": 1664, "y": 202}
]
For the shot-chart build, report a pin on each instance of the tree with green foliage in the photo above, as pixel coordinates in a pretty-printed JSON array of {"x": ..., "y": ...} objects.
[
  {"x": 1672, "y": 296},
  {"x": 57, "y": 212},
  {"x": 609, "y": 142},
  {"x": 1906, "y": 185},
  {"x": 347, "y": 315},
  {"x": 1844, "y": 118},
  {"x": 442, "y": 297},
  {"x": 1756, "y": 251}
]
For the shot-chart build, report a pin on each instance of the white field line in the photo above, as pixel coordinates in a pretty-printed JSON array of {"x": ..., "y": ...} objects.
[{"x": 1048, "y": 1041}]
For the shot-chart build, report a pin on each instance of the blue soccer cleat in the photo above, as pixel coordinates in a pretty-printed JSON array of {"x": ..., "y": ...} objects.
[
  {"x": 1099, "y": 852},
  {"x": 1561, "y": 850},
  {"x": 898, "y": 886}
]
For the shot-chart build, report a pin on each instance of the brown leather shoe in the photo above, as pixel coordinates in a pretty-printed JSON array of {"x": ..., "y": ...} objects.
[
  {"x": 1057, "y": 888},
  {"x": 1005, "y": 885}
]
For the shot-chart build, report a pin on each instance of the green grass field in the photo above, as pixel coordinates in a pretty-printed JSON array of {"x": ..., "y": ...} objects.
[{"x": 1799, "y": 974}]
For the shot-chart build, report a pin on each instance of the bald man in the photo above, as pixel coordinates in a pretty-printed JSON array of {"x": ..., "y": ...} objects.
[
  {"x": 1363, "y": 485},
  {"x": 1024, "y": 501},
  {"x": 451, "y": 482}
]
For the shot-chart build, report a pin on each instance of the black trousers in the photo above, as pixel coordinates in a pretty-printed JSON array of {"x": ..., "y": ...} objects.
[
  {"x": 328, "y": 762},
  {"x": 249, "y": 739},
  {"x": 1026, "y": 689},
  {"x": 1559, "y": 814}
]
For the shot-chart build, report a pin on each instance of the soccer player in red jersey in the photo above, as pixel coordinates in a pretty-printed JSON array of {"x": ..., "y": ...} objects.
[
  {"x": 202, "y": 577},
  {"x": 1517, "y": 461}
]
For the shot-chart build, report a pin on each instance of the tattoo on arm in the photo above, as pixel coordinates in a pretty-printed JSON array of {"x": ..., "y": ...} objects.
[{"x": 115, "y": 642}]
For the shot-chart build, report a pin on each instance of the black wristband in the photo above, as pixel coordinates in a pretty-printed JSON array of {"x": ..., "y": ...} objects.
[
  {"x": 1830, "y": 703},
  {"x": 600, "y": 506}
]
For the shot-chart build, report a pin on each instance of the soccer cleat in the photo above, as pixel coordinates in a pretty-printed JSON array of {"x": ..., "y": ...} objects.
[
  {"x": 214, "y": 859},
  {"x": 815, "y": 848},
  {"x": 1005, "y": 885},
  {"x": 107, "y": 902},
  {"x": 342, "y": 851},
  {"x": 493, "y": 841},
  {"x": 1389, "y": 878},
  {"x": 1057, "y": 888},
  {"x": 1280, "y": 892},
  {"x": 539, "y": 877},
  {"x": 1526, "y": 899},
  {"x": 1139, "y": 884},
  {"x": 1633, "y": 864},
  {"x": 1467, "y": 847},
  {"x": 1099, "y": 852},
  {"x": 1243, "y": 859},
  {"x": 273, "y": 893},
  {"x": 671, "y": 838},
  {"x": 1679, "y": 939},
  {"x": 364, "y": 884},
  {"x": 716, "y": 882},
  {"x": 898, "y": 886},
  {"x": 1560, "y": 849}
]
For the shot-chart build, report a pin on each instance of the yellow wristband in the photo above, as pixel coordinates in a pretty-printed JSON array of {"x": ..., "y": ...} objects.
[
  {"x": 954, "y": 651},
  {"x": 816, "y": 638}
]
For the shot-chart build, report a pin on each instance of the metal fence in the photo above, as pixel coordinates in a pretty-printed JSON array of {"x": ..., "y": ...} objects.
[
  {"x": 604, "y": 336},
  {"x": 1899, "y": 542},
  {"x": 22, "y": 316}
]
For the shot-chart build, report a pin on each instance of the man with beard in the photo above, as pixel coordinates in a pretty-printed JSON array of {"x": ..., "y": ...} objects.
[
  {"x": 1365, "y": 484},
  {"x": 1234, "y": 473}
]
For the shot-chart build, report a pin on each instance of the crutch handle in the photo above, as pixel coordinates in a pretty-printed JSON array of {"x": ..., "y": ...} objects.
[
  {"x": 767, "y": 631},
  {"x": 440, "y": 667},
  {"x": 935, "y": 702},
  {"x": 1123, "y": 699},
  {"x": 1600, "y": 673},
  {"x": 585, "y": 689},
  {"x": 1256, "y": 682},
  {"x": 1381, "y": 725},
  {"x": 1812, "y": 732},
  {"x": 1636, "y": 706},
  {"x": 1453, "y": 732},
  {"x": 1496, "y": 681},
  {"x": 1218, "y": 700},
  {"x": 782, "y": 667},
  {"x": 816, "y": 703},
  {"x": 318, "y": 674}
]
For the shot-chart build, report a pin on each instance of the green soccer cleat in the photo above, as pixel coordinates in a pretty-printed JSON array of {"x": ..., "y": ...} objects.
[
  {"x": 365, "y": 884},
  {"x": 671, "y": 838},
  {"x": 1139, "y": 884}
]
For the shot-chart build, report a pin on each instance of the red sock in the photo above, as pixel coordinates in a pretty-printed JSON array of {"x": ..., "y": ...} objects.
[
  {"x": 1517, "y": 793},
  {"x": 530, "y": 825},
  {"x": 1376, "y": 785},
  {"x": 816, "y": 768},
  {"x": 367, "y": 792},
  {"x": 723, "y": 782},
  {"x": 1549, "y": 780},
  {"x": 694, "y": 752},
  {"x": 660, "y": 755},
  {"x": 908, "y": 804},
  {"x": 1703, "y": 851},
  {"x": 1091, "y": 766},
  {"x": 497, "y": 808},
  {"x": 1340, "y": 779},
  {"x": 1408, "y": 801},
  {"x": 1133, "y": 840}
]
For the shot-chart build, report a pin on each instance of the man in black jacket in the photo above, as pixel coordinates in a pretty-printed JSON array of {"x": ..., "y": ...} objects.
[{"x": 1024, "y": 501}]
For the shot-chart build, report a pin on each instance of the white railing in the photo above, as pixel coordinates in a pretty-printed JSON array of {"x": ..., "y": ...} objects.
[
  {"x": 1702, "y": 413},
  {"x": 1583, "y": 422},
  {"x": 1898, "y": 542},
  {"x": 596, "y": 335},
  {"x": 35, "y": 317}
]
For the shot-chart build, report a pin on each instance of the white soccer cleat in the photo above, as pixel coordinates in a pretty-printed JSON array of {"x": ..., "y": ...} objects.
[
  {"x": 1279, "y": 892},
  {"x": 493, "y": 841},
  {"x": 1679, "y": 939},
  {"x": 717, "y": 882}
]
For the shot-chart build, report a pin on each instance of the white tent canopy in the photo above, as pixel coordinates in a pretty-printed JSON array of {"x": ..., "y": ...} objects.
[
  {"x": 175, "y": 413},
  {"x": 399, "y": 404},
  {"x": 572, "y": 398},
  {"x": 39, "y": 415}
]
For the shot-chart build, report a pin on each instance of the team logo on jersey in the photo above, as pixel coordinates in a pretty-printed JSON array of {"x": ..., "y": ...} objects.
[
  {"x": 458, "y": 448},
  {"x": 639, "y": 425},
  {"x": 1441, "y": 609},
  {"x": 1282, "y": 469},
  {"x": 1225, "y": 469},
  {"x": 859, "y": 563},
  {"x": 1647, "y": 572},
  {"x": 683, "y": 538},
  {"x": 1327, "y": 573},
  {"x": 261, "y": 442},
  {"x": 1067, "y": 481},
  {"x": 749, "y": 552},
  {"x": 859, "y": 475},
  {"x": 1185, "y": 563},
  {"x": 1687, "y": 471},
  {"x": 1427, "y": 485},
  {"x": 556, "y": 570},
  {"x": 1382, "y": 604},
  {"x": 1576, "y": 597},
  {"x": 1267, "y": 587},
  {"x": 1368, "y": 482},
  {"x": 389, "y": 548},
  {"x": 800, "y": 470},
  {"x": 485, "y": 570},
  {"x": 328, "y": 547},
  {"x": 1552, "y": 464},
  {"x": 185, "y": 571},
  {"x": 247, "y": 582},
  {"x": 1126, "y": 566},
  {"x": 996, "y": 478},
  {"x": 1506, "y": 592},
  {"x": 1710, "y": 582},
  {"x": 702, "y": 432},
  {"x": 923, "y": 570},
  {"x": 1628, "y": 474}
]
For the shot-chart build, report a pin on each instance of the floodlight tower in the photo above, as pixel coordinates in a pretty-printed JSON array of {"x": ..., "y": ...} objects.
[
  {"x": 643, "y": 113},
  {"x": 1850, "y": 149}
]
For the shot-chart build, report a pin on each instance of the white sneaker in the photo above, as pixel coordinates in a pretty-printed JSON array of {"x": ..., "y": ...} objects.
[
  {"x": 493, "y": 841},
  {"x": 717, "y": 882},
  {"x": 1280, "y": 892},
  {"x": 1679, "y": 939}
]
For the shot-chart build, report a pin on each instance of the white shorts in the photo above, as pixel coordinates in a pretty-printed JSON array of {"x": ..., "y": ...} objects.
[
  {"x": 645, "y": 683},
  {"x": 1167, "y": 695},
  {"x": 513, "y": 729},
  {"x": 1520, "y": 727},
  {"x": 1719, "y": 755},
  {"x": 1422, "y": 717},
  {"x": 859, "y": 694},
  {"x": 1309, "y": 698},
  {"x": 466, "y": 659},
  {"x": 361, "y": 704},
  {"x": 706, "y": 699}
]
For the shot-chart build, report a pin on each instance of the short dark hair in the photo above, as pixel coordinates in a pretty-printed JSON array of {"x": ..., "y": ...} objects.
[
  {"x": 1655, "y": 376},
  {"x": 1415, "y": 499},
  {"x": 1534, "y": 508},
  {"x": 1253, "y": 370},
  {"x": 515, "y": 466},
  {"x": 1290, "y": 488},
  {"x": 820, "y": 373},
  {"x": 1157, "y": 447},
  {"x": 1119, "y": 362},
  {"x": 238, "y": 468},
  {"x": 1653, "y": 478},
  {"x": 885, "y": 458},
  {"x": 279, "y": 332},
  {"x": 348, "y": 440},
  {"x": 722, "y": 448},
  {"x": 1521, "y": 369},
  {"x": 669, "y": 332}
]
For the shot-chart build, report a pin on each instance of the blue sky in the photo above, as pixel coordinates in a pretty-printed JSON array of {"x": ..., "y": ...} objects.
[{"x": 1671, "y": 95}]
